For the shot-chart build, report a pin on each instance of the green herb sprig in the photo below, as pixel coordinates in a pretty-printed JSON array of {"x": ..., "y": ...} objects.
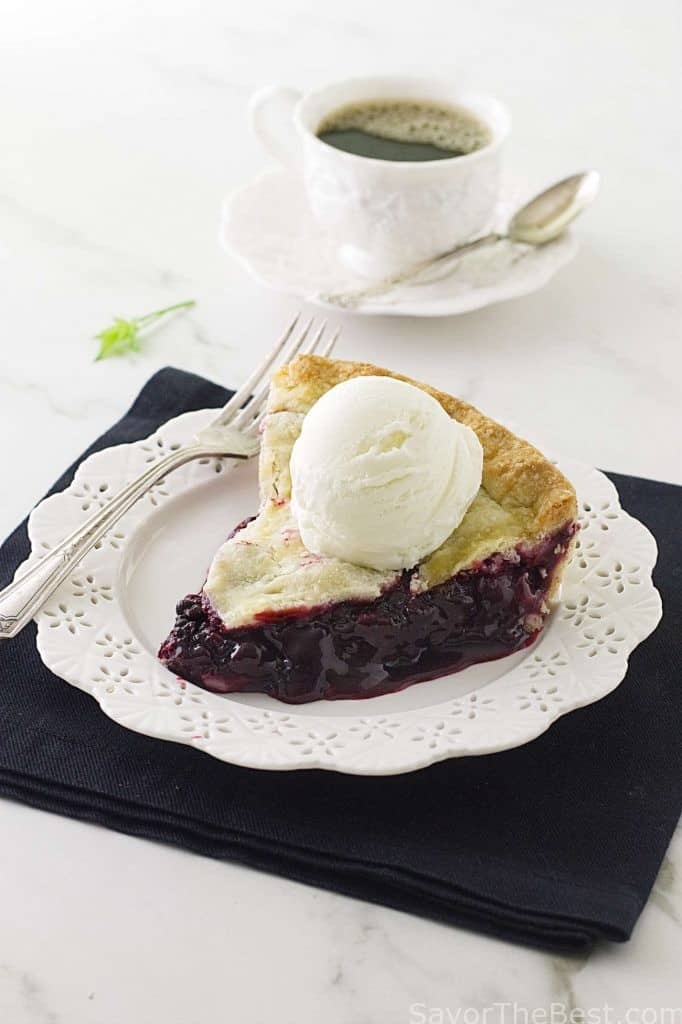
[{"x": 124, "y": 335}]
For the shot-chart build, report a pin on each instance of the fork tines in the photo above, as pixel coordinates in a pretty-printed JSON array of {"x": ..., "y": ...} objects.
[{"x": 246, "y": 408}]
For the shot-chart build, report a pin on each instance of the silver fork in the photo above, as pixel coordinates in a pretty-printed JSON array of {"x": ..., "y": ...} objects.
[{"x": 232, "y": 434}]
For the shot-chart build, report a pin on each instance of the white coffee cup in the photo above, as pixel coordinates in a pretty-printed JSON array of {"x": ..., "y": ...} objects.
[{"x": 386, "y": 215}]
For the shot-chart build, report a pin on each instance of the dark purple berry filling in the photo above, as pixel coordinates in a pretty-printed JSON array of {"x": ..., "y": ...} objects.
[{"x": 364, "y": 649}]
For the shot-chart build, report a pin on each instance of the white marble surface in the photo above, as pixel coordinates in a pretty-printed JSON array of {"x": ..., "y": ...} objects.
[{"x": 122, "y": 128}]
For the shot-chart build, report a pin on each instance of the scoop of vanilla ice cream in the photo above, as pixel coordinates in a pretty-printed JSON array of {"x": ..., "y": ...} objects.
[{"x": 381, "y": 475}]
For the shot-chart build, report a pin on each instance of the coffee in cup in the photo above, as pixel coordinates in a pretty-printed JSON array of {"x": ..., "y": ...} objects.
[
  {"x": 396, "y": 169},
  {"x": 404, "y": 130}
]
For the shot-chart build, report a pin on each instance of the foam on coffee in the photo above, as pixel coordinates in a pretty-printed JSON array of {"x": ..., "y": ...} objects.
[{"x": 452, "y": 130}]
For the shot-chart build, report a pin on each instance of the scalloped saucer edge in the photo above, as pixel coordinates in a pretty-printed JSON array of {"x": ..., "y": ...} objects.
[{"x": 268, "y": 226}]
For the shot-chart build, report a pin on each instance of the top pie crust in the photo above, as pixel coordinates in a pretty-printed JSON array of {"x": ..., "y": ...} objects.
[{"x": 265, "y": 568}]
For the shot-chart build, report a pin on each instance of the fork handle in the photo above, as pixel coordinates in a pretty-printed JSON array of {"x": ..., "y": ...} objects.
[{"x": 22, "y": 599}]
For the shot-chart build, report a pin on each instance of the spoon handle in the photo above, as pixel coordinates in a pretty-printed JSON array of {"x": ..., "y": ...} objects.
[{"x": 348, "y": 300}]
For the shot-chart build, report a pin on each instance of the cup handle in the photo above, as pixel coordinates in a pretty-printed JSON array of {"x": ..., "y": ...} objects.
[{"x": 271, "y": 111}]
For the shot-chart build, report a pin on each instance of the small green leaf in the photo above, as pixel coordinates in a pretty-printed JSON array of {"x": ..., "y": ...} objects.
[
  {"x": 124, "y": 335},
  {"x": 118, "y": 339}
]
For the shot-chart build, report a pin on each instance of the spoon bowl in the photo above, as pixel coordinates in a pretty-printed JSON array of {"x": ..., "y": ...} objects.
[{"x": 546, "y": 216}]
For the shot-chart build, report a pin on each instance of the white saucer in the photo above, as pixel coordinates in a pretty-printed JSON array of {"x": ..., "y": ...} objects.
[{"x": 268, "y": 226}]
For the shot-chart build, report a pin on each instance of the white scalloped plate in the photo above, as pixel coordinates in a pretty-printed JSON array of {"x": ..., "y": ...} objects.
[
  {"x": 268, "y": 226},
  {"x": 101, "y": 630}
]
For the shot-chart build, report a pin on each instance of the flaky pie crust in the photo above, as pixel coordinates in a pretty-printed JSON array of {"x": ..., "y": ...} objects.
[{"x": 265, "y": 568}]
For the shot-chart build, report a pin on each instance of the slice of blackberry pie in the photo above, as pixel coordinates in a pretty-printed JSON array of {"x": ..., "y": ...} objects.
[{"x": 402, "y": 535}]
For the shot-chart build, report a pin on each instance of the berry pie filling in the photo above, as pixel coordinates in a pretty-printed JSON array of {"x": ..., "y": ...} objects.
[
  {"x": 365, "y": 649},
  {"x": 401, "y": 536}
]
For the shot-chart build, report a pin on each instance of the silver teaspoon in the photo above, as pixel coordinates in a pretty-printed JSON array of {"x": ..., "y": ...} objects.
[{"x": 540, "y": 221}]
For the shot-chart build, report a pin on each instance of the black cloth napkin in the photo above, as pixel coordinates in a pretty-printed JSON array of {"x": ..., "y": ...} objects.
[{"x": 554, "y": 844}]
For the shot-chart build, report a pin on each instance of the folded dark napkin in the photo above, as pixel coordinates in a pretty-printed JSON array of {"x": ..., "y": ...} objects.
[{"x": 555, "y": 844}]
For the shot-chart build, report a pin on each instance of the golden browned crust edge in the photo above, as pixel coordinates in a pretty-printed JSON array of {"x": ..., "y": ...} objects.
[{"x": 515, "y": 474}]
